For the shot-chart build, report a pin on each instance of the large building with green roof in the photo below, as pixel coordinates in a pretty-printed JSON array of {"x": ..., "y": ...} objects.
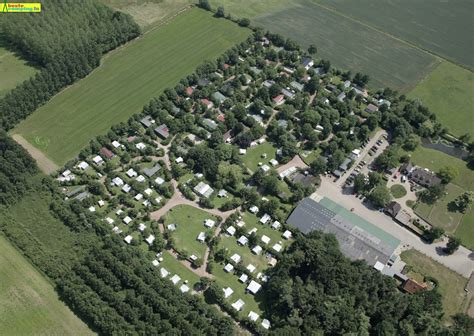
[{"x": 358, "y": 239}]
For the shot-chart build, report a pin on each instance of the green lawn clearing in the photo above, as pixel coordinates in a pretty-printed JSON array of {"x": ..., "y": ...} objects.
[
  {"x": 13, "y": 70},
  {"x": 252, "y": 221},
  {"x": 398, "y": 191},
  {"x": 259, "y": 261},
  {"x": 438, "y": 214},
  {"x": 351, "y": 45},
  {"x": 465, "y": 230},
  {"x": 189, "y": 222},
  {"x": 435, "y": 160},
  {"x": 127, "y": 79},
  {"x": 28, "y": 303},
  {"x": 451, "y": 285},
  {"x": 231, "y": 280},
  {"x": 449, "y": 92},
  {"x": 254, "y": 155},
  {"x": 251, "y": 8},
  {"x": 172, "y": 265}
]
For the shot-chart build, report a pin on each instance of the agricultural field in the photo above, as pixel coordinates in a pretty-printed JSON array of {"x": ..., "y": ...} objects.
[
  {"x": 349, "y": 44},
  {"x": 148, "y": 12},
  {"x": 444, "y": 28},
  {"x": 451, "y": 285},
  {"x": 449, "y": 92},
  {"x": 128, "y": 78},
  {"x": 13, "y": 70},
  {"x": 28, "y": 302}
]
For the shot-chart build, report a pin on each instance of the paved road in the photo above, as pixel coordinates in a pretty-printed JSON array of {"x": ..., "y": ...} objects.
[{"x": 462, "y": 261}]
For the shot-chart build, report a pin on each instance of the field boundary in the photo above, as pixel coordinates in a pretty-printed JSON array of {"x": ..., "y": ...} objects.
[{"x": 45, "y": 164}]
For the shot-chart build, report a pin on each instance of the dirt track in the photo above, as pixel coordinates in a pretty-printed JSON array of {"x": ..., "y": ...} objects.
[{"x": 46, "y": 165}]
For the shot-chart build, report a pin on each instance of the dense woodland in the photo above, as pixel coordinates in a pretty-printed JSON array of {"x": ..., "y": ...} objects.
[
  {"x": 66, "y": 41},
  {"x": 313, "y": 290},
  {"x": 16, "y": 169}
]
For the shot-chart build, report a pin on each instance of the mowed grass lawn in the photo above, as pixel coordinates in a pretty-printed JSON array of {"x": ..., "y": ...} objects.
[
  {"x": 28, "y": 303},
  {"x": 126, "y": 81},
  {"x": 438, "y": 214},
  {"x": 13, "y": 70},
  {"x": 443, "y": 27},
  {"x": 449, "y": 92},
  {"x": 451, "y": 284},
  {"x": 465, "y": 230},
  {"x": 189, "y": 223},
  {"x": 254, "y": 155},
  {"x": 351, "y": 45}
]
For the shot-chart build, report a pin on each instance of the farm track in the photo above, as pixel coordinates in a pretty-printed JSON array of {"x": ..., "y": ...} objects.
[{"x": 45, "y": 165}]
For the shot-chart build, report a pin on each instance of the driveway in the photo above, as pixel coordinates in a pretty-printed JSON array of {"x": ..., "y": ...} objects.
[{"x": 462, "y": 261}]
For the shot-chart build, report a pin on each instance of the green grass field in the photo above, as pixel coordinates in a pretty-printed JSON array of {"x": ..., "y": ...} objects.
[
  {"x": 449, "y": 92},
  {"x": 435, "y": 160},
  {"x": 190, "y": 222},
  {"x": 465, "y": 230},
  {"x": 126, "y": 81},
  {"x": 147, "y": 12},
  {"x": 443, "y": 27},
  {"x": 451, "y": 284},
  {"x": 254, "y": 155},
  {"x": 438, "y": 214},
  {"x": 175, "y": 267},
  {"x": 398, "y": 191},
  {"x": 28, "y": 302},
  {"x": 13, "y": 70},
  {"x": 351, "y": 45}
]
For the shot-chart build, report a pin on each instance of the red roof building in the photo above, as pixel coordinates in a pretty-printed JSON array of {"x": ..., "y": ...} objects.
[
  {"x": 189, "y": 90},
  {"x": 279, "y": 99},
  {"x": 411, "y": 286},
  {"x": 221, "y": 117},
  {"x": 107, "y": 153},
  {"x": 207, "y": 103}
]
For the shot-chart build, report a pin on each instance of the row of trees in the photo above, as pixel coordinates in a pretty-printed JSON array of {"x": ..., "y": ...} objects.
[{"x": 66, "y": 41}]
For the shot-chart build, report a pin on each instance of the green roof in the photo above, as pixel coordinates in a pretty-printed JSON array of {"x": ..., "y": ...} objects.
[{"x": 360, "y": 222}]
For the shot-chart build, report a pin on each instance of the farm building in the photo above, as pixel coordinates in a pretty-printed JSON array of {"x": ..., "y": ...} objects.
[{"x": 358, "y": 239}]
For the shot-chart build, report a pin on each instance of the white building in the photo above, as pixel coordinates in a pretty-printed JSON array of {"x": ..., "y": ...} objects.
[
  {"x": 237, "y": 305},
  {"x": 229, "y": 268},
  {"x": 230, "y": 230},
  {"x": 253, "y": 316},
  {"x": 242, "y": 240},
  {"x": 203, "y": 189},
  {"x": 150, "y": 239},
  {"x": 265, "y": 218},
  {"x": 236, "y": 258},
  {"x": 209, "y": 223},
  {"x": 227, "y": 292},
  {"x": 131, "y": 173},
  {"x": 287, "y": 234},
  {"x": 257, "y": 250},
  {"x": 265, "y": 239},
  {"x": 128, "y": 239},
  {"x": 253, "y": 287},
  {"x": 201, "y": 237}
]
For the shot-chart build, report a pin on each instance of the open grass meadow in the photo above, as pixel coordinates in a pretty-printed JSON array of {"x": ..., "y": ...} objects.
[
  {"x": 443, "y": 27},
  {"x": 451, "y": 284},
  {"x": 127, "y": 79},
  {"x": 439, "y": 214},
  {"x": 449, "y": 92},
  {"x": 349, "y": 44},
  {"x": 254, "y": 155},
  {"x": 465, "y": 230},
  {"x": 13, "y": 70},
  {"x": 28, "y": 302}
]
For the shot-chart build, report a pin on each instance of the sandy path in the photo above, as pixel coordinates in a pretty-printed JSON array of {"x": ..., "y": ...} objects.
[{"x": 46, "y": 165}]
